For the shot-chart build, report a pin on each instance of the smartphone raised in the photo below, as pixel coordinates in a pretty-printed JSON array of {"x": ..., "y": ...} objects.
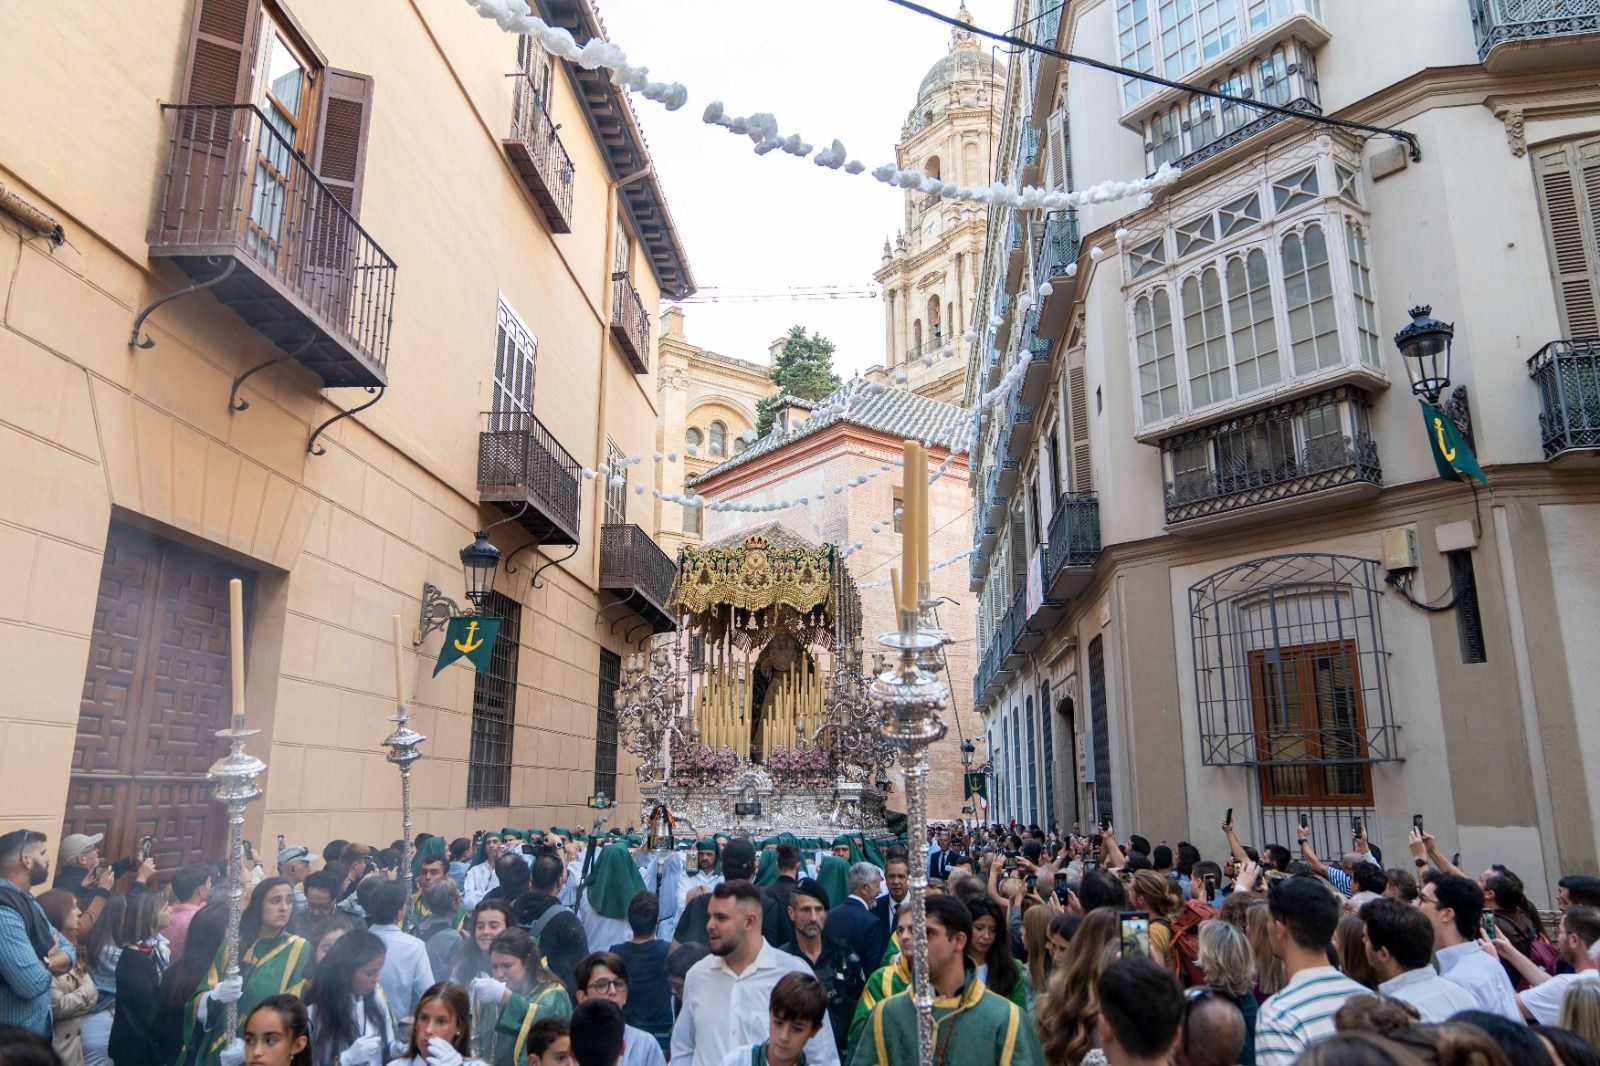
[
  {"x": 1227, "y": 819},
  {"x": 1305, "y": 823},
  {"x": 1032, "y": 882},
  {"x": 1134, "y": 933},
  {"x": 1488, "y": 924},
  {"x": 1355, "y": 827},
  {"x": 1416, "y": 823},
  {"x": 1105, "y": 821},
  {"x": 146, "y": 846},
  {"x": 1211, "y": 887}
]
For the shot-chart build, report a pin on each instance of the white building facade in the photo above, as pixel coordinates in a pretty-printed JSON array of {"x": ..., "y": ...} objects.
[{"x": 1216, "y": 565}]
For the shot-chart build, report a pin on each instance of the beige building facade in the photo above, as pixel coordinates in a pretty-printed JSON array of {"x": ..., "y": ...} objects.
[
  {"x": 1208, "y": 520},
  {"x": 707, "y": 410},
  {"x": 860, "y": 441},
  {"x": 929, "y": 273},
  {"x": 384, "y": 221}
]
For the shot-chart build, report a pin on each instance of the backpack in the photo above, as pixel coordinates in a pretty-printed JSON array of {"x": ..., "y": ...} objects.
[
  {"x": 1186, "y": 941},
  {"x": 536, "y": 926},
  {"x": 1543, "y": 954}
]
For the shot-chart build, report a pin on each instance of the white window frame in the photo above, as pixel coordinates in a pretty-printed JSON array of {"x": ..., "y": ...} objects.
[
  {"x": 512, "y": 379},
  {"x": 1177, "y": 37}
]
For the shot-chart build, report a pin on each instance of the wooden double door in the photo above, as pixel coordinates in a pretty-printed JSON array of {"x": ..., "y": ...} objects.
[{"x": 155, "y": 693}]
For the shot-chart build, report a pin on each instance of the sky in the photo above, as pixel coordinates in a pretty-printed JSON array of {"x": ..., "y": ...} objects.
[{"x": 825, "y": 68}]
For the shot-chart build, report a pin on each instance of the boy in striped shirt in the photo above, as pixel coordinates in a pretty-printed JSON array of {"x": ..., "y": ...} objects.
[{"x": 1302, "y": 915}]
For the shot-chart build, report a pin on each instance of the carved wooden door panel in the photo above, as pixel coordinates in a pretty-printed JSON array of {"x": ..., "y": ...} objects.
[{"x": 154, "y": 695}]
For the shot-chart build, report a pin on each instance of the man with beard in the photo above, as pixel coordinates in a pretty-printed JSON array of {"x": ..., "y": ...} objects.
[
  {"x": 727, "y": 994},
  {"x": 706, "y": 874},
  {"x": 557, "y": 930},
  {"x": 834, "y": 964},
  {"x": 30, "y": 950},
  {"x": 738, "y": 864}
]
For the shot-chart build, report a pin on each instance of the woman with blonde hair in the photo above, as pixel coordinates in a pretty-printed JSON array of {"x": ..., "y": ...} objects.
[
  {"x": 1036, "y": 942},
  {"x": 1269, "y": 968},
  {"x": 1160, "y": 897},
  {"x": 1580, "y": 1011},
  {"x": 1068, "y": 1014},
  {"x": 1229, "y": 965}
]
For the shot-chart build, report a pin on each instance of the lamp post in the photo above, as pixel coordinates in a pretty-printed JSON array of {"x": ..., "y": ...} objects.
[
  {"x": 480, "y": 565},
  {"x": 968, "y": 750},
  {"x": 1425, "y": 348}
]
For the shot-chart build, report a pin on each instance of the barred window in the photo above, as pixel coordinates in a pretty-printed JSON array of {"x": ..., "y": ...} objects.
[
  {"x": 605, "y": 725},
  {"x": 494, "y": 710}
]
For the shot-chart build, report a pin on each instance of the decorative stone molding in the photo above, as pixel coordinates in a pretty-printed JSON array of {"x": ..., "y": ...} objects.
[{"x": 1515, "y": 135}]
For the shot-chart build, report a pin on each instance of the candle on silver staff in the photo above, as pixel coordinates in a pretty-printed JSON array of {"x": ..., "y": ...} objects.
[
  {"x": 402, "y": 745},
  {"x": 909, "y": 698},
  {"x": 234, "y": 776}
]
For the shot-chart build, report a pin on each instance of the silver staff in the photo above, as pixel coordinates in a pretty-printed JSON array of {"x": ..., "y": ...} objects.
[{"x": 402, "y": 745}]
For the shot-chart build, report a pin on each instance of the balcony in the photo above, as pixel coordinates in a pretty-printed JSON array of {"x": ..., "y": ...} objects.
[
  {"x": 1516, "y": 35},
  {"x": 1062, "y": 244},
  {"x": 527, "y": 474},
  {"x": 638, "y": 573},
  {"x": 241, "y": 213},
  {"x": 977, "y": 571},
  {"x": 1036, "y": 350},
  {"x": 1020, "y": 415},
  {"x": 1567, "y": 374},
  {"x": 1042, "y": 69},
  {"x": 1313, "y": 452},
  {"x": 539, "y": 156},
  {"x": 630, "y": 322},
  {"x": 1074, "y": 545},
  {"x": 1028, "y": 156},
  {"x": 1016, "y": 250}
]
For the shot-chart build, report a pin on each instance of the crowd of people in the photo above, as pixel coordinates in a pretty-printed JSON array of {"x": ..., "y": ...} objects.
[{"x": 552, "y": 948}]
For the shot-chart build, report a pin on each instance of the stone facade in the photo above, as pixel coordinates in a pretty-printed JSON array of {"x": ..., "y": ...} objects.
[
  {"x": 130, "y": 487},
  {"x": 1166, "y": 689}
]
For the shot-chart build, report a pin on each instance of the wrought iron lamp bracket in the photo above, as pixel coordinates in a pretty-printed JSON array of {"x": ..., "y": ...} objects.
[
  {"x": 1460, "y": 411},
  {"x": 437, "y": 610},
  {"x": 143, "y": 341},
  {"x": 314, "y": 448}
]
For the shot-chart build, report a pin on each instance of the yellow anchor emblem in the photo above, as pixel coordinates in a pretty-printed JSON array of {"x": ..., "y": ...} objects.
[
  {"x": 1445, "y": 450},
  {"x": 469, "y": 646}
]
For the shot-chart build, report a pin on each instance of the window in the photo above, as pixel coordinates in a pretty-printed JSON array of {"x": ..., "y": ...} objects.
[
  {"x": 718, "y": 439},
  {"x": 1158, "y": 360},
  {"x": 1235, "y": 115},
  {"x": 1197, "y": 233},
  {"x": 1292, "y": 190},
  {"x": 1263, "y": 13},
  {"x": 1355, "y": 239},
  {"x": 1146, "y": 257},
  {"x": 1100, "y": 725},
  {"x": 1307, "y": 704},
  {"x": 1568, "y": 176},
  {"x": 1014, "y": 757},
  {"x": 1166, "y": 142},
  {"x": 931, "y": 167},
  {"x": 1191, "y": 470},
  {"x": 898, "y": 510},
  {"x": 1255, "y": 335},
  {"x": 1207, "y": 339},
  {"x": 691, "y": 519},
  {"x": 692, "y": 439},
  {"x": 535, "y": 63},
  {"x": 494, "y": 710},
  {"x": 616, "y": 486},
  {"x": 1347, "y": 181},
  {"x": 1136, "y": 46},
  {"x": 1308, "y": 296},
  {"x": 605, "y": 725},
  {"x": 1048, "y": 762},
  {"x": 1033, "y": 766},
  {"x": 1195, "y": 31},
  {"x": 514, "y": 352},
  {"x": 1272, "y": 75},
  {"x": 1469, "y": 622},
  {"x": 1240, "y": 215}
]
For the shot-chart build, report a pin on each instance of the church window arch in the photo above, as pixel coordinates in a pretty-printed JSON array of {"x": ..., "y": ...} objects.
[
  {"x": 935, "y": 320},
  {"x": 692, "y": 437},
  {"x": 718, "y": 439},
  {"x": 916, "y": 336},
  {"x": 931, "y": 167}
]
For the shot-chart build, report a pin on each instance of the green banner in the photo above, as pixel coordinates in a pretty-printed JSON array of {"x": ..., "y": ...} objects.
[
  {"x": 469, "y": 637},
  {"x": 977, "y": 784},
  {"x": 1451, "y": 454}
]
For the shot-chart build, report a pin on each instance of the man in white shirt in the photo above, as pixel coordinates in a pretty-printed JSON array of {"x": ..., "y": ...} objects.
[
  {"x": 1303, "y": 913},
  {"x": 406, "y": 972},
  {"x": 481, "y": 879},
  {"x": 1455, "y": 907},
  {"x": 726, "y": 995},
  {"x": 1399, "y": 941},
  {"x": 1577, "y": 941}
]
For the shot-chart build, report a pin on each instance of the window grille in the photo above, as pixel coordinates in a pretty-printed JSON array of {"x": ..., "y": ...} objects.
[
  {"x": 515, "y": 350},
  {"x": 1099, "y": 722},
  {"x": 494, "y": 710},
  {"x": 1469, "y": 622},
  {"x": 605, "y": 725}
]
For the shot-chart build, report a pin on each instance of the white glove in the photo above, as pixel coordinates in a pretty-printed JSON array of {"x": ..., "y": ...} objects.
[
  {"x": 367, "y": 1049},
  {"x": 228, "y": 991},
  {"x": 488, "y": 990},
  {"x": 440, "y": 1053},
  {"x": 233, "y": 1053}
]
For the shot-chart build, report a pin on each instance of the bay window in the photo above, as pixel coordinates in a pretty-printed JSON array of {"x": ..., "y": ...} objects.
[{"x": 1178, "y": 37}]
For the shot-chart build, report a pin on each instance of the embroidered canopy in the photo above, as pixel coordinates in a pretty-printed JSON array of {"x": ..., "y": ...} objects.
[{"x": 757, "y": 570}]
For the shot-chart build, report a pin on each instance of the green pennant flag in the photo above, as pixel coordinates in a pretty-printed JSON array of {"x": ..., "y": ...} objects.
[
  {"x": 469, "y": 637},
  {"x": 975, "y": 786},
  {"x": 1451, "y": 454}
]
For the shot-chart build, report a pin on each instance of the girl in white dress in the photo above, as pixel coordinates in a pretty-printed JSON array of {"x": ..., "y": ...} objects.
[{"x": 442, "y": 1035}]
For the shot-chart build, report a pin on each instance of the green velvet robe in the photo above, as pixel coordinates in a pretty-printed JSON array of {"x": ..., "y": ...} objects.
[
  {"x": 271, "y": 966},
  {"x": 975, "y": 1028},
  {"x": 508, "y": 1044}
]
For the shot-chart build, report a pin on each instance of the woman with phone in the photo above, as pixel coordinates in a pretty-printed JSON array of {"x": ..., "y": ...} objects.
[{"x": 1159, "y": 897}]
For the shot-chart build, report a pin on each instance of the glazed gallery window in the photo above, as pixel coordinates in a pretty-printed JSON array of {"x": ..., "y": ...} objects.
[
  {"x": 1308, "y": 710},
  {"x": 1178, "y": 37}
]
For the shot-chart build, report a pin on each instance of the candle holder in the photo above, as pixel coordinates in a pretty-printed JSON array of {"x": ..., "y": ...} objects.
[
  {"x": 234, "y": 776},
  {"x": 909, "y": 697},
  {"x": 402, "y": 745}
]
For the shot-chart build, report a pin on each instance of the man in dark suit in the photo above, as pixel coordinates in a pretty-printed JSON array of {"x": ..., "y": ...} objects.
[
  {"x": 897, "y": 878},
  {"x": 776, "y": 927},
  {"x": 853, "y": 920}
]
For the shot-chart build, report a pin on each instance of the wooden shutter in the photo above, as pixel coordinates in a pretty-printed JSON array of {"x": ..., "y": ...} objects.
[
  {"x": 1568, "y": 176},
  {"x": 1060, "y": 147},
  {"x": 1078, "y": 401},
  {"x": 222, "y": 48},
  {"x": 344, "y": 115}
]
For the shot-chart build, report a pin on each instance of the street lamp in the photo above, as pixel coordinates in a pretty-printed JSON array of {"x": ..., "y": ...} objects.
[
  {"x": 968, "y": 750},
  {"x": 1425, "y": 346},
  {"x": 479, "y": 562}
]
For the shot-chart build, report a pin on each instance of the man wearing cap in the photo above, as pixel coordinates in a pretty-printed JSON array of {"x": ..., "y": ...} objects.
[
  {"x": 30, "y": 950},
  {"x": 77, "y": 860},
  {"x": 738, "y": 864},
  {"x": 835, "y": 965},
  {"x": 706, "y": 875},
  {"x": 294, "y": 862}
]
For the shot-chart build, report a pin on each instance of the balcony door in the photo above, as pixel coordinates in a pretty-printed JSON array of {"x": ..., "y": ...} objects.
[
  {"x": 285, "y": 85},
  {"x": 515, "y": 351}
]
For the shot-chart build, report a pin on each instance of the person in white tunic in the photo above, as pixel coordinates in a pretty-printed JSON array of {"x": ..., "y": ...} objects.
[
  {"x": 707, "y": 873},
  {"x": 481, "y": 879},
  {"x": 442, "y": 1035},
  {"x": 603, "y": 903},
  {"x": 603, "y": 975},
  {"x": 726, "y": 995}
]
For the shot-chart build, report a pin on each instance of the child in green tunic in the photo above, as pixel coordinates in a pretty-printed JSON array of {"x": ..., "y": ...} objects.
[
  {"x": 520, "y": 993},
  {"x": 272, "y": 963}
]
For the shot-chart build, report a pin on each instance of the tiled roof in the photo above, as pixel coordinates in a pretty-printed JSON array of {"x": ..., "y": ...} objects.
[{"x": 883, "y": 408}]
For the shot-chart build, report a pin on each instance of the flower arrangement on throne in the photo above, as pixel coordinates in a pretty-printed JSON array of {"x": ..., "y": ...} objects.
[
  {"x": 697, "y": 764},
  {"x": 800, "y": 769}
]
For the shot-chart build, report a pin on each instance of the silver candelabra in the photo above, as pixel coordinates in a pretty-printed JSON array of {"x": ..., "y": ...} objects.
[
  {"x": 909, "y": 696},
  {"x": 234, "y": 776}
]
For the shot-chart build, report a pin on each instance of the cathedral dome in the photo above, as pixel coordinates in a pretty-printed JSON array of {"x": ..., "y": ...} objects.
[{"x": 961, "y": 64}]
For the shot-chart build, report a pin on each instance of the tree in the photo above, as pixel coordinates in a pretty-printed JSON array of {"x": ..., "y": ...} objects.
[{"x": 804, "y": 368}]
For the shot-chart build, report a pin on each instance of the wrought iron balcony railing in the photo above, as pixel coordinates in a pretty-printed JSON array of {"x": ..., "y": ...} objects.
[
  {"x": 1074, "y": 538},
  {"x": 535, "y": 149},
  {"x": 638, "y": 573},
  {"x": 1061, "y": 245},
  {"x": 523, "y": 469},
  {"x": 1536, "y": 22},
  {"x": 1298, "y": 448},
  {"x": 241, "y": 212},
  {"x": 630, "y": 322},
  {"x": 1567, "y": 374}
]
